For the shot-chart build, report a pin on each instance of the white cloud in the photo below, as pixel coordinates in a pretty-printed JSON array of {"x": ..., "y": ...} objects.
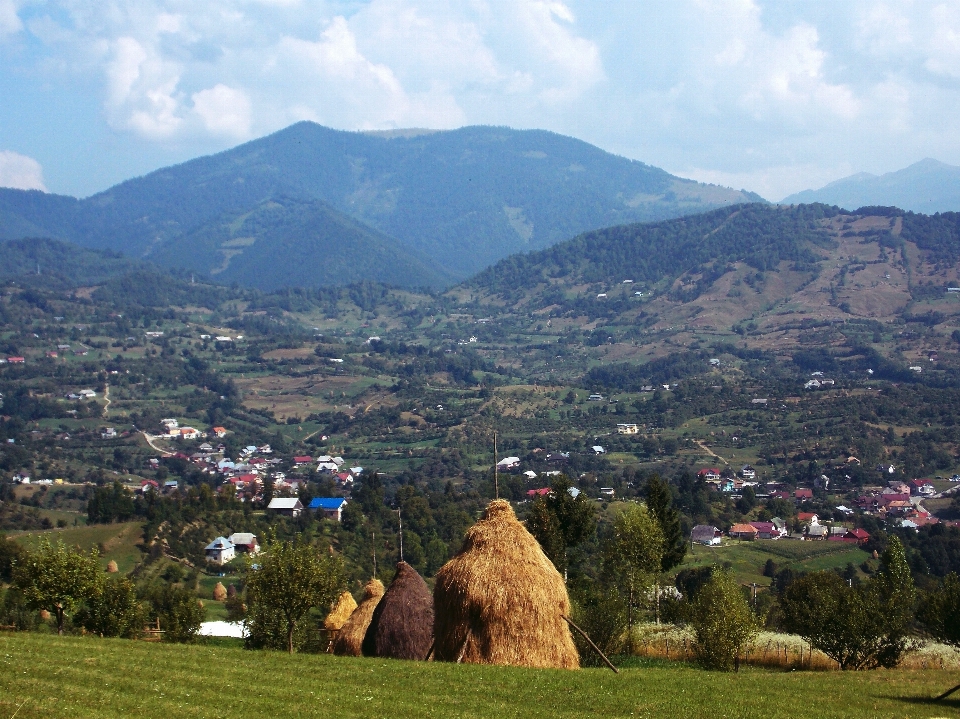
[
  {"x": 20, "y": 172},
  {"x": 10, "y": 22},
  {"x": 142, "y": 90},
  {"x": 223, "y": 110},
  {"x": 944, "y": 46}
]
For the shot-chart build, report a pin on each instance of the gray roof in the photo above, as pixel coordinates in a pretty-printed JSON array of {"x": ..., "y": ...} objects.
[
  {"x": 285, "y": 503},
  {"x": 243, "y": 538},
  {"x": 219, "y": 543}
]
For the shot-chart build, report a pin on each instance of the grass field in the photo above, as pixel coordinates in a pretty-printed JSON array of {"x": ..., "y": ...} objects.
[
  {"x": 119, "y": 541},
  {"x": 46, "y": 676}
]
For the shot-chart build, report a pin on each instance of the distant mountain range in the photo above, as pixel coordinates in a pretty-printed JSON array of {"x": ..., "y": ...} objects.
[
  {"x": 927, "y": 186},
  {"x": 314, "y": 206}
]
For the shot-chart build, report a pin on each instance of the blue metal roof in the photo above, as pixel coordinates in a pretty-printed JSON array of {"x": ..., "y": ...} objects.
[{"x": 326, "y": 503}]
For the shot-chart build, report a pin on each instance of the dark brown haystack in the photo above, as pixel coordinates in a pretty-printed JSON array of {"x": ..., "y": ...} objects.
[
  {"x": 350, "y": 636},
  {"x": 340, "y": 611},
  {"x": 501, "y": 601},
  {"x": 402, "y": 625}
]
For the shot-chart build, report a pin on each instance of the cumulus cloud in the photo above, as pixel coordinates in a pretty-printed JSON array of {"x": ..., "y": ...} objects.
[
  {"x": 20, "y": 172},
  {"x": 223, "y": 110},
  {"x": 10, "y": 22}
]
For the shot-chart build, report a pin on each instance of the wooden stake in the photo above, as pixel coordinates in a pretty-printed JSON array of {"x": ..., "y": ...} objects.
[
  {"x": 463, "y": 649},
  {"x": 590, "y": 642},
  {"x": 430, "y": 653},
  {"x": 947, "y": 693}
]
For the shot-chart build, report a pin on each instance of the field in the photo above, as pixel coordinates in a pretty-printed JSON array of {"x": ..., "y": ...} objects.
[
  {"x": 44, "y": 676},
  {"x": 117, "y": 540}
]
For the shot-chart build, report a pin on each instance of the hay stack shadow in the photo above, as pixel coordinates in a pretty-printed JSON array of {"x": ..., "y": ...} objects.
[
  {"x": 340, "y": 612},
  {"x": 350, "y": 637},
  {"x": 402, "y": 624},
  {"x": 501, "y": 601}
]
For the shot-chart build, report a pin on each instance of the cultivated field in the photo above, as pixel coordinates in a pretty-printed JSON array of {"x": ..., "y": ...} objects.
[{"x": 45, "y": 676}]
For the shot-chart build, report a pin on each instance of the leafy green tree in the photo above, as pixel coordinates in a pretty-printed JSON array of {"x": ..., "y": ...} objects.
[
  {"x": 57, "y": 579},
  {"x": 860, "y": 627},
  {"x": 722, "y": 622},
  {"x": 10, "y": 553},
  {"x": 179, "y": 611},
  {"x": 633, "y": 551},
  {"x": 660, "y": 504},
  {"x": 575, "y": 517},
  {"x": 114, "y": 612},
  {"x": 940, "y": 614},
  {"x": 110, "y": 504},
  {"x": 289, "y": 579}
]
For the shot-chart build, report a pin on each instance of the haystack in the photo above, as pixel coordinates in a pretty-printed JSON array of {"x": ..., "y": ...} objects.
[
  {"x": 402, "y": 624},
  {"x": 340, "y": 611},
  {"x": 501, "y": 601},
  {"x": 350, "y": 636},
  {"x": 219, "y": 592},
  {"x": 112, "y": 567}
]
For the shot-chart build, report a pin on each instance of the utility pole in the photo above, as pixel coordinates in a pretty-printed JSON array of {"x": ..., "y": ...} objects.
[
  {"x": 400, "y": 520},
  {"x": 374, "y": 555},
  {"x": 496, "y": 468}
]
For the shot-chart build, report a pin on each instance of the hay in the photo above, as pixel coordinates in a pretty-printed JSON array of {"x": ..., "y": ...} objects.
[
  {"x": 340, "y": 611},
  {"x": 501, "y": 601},
  {"x": 350, "y": 636},
  {"x": 219, "y": 592},
  {"x": 402, "y": 624},
  {"x": 112, "y": 567}
]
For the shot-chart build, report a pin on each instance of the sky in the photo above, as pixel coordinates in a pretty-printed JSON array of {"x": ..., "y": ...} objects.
[{"x": 773, "y": 97}]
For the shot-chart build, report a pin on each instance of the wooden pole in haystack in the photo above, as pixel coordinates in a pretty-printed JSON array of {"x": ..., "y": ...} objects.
[
  {"x": 590, "y": 642},
  {"x": 496, "y": 469}
]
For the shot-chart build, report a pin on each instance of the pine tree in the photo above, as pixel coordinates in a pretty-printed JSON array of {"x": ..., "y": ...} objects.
[
  {"x": 660, "y": 504},
  {"x": 543, "y": 525}
]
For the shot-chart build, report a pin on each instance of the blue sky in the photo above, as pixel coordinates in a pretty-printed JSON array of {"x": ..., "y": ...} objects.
[{"x": 774, "y": 97}]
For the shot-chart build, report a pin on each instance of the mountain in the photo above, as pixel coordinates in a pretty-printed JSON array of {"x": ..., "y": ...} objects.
[
  {"x": 463, "y": 198},
  {"x": 927, "y": 186},
  {"x": 53, "y": 262},
  {"x": 296, "y": 243}
]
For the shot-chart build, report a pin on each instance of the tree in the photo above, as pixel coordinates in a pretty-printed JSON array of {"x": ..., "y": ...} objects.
[
  {"x": 860, "y": 627},
  {"x": 114, "y": 612},
  {"x": 179, "y": 611},
  {"x": 940, "y": 614},
  {"x": 633, "y": 552},
  {"x": 543, "y": 525},
  {"x": 575, "y": 519},
  {"x": 660, "y": 504},
  {"x": 57, "y": 579},
  {"x": 290, "y": 578},
  {"x": 722, "y": 622}
]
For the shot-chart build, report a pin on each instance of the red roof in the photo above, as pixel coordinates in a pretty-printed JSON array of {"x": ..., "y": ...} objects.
[
  {"x": 542, "y": 492},
  {"x": 302, "y": 460},
  {"x": 16, "y": 359},
  {"x": 803, "y": 494},
  {"x": 806, "y": 516},
  {"x": 708, "y": 470},
  {"x": 859, "y": 533}
]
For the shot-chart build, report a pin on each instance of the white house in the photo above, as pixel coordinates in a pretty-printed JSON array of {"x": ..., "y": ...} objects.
[
  {"x": 220, "y": 551},
  {"x": 508, "y": 463},
  {"x": 706, "y": 535},
  {"x": 627, "y": 429},
  {"x": 287, "y": 506}
]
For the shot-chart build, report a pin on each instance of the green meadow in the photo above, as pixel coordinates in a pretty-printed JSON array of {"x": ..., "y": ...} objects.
[{"x": 46, "y": 676}]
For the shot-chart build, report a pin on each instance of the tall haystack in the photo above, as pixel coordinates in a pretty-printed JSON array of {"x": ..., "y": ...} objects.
[
  {"x": 351, "y": 634},
  {"x": 402, "y": 624},
  {"x": 219, "y": 592},
  {"x": 340, "y": 611},
  {"x": 501, "y": 601}
]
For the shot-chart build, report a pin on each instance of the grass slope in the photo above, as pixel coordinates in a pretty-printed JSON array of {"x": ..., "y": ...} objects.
[
  {"x": 119, "y": 541},
  {"x": 47, "y": 676}
]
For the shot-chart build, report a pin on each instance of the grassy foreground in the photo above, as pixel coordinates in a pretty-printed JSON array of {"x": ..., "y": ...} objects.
[{"x": 44, "y": 676}]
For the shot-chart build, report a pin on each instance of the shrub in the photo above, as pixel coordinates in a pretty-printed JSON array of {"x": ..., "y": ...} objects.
[{"x": 722, "y": 623}]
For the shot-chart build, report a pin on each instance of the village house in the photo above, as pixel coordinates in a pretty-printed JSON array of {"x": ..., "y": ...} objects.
[
  {"x": 328, "y": 507},
  {"x": 189, "y": 433},
  {"x": 220, "y": 551},
  {"x": 285, "y": 506},
  {"x": 709, "y": 474},
  {"x": 627, "y": 429},
  {"x": 706, "y": 535},
  {"x": 802, "y": 495},
  {"x": 508, "y": 464},
  {"x": 219, "y": 431},
  {"x": 542, "y": 492},
  {"x": 244, "y": 542},
  {"x": 748, "y": 472},
  {"x": 768, "y": 530},
  {"x": 743, "y": 531},
  {"x": 808, "y": 518}
]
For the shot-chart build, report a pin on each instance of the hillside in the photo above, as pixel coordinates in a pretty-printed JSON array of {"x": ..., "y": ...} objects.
[
  {"x": 295, "y": 243},
  {"x": 89, "y": 677},
  {"x": 52, "y": 261},
  {"x": 926, "y": 186},
  {"x": 464, "y": 198}
]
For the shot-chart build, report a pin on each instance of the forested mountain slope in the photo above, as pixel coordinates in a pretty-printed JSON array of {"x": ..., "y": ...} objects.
[{"x": 465, "y": 198}]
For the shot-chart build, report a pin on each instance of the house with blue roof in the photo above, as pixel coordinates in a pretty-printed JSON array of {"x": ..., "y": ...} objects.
[{"x": 331, "y": 507}]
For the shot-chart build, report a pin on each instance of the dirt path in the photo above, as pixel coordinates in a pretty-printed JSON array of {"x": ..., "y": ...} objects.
[
  {"x": 150, "y": 439},
  {"x": 705, "y": 448},
  {"x": 106, "y": 396}
]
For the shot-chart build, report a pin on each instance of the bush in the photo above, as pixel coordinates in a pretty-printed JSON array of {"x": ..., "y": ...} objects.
[
  {"x": 180, "y": 613},
  {"x": 722, "y": 623},
  {"x": 114, "y": 612},
  {"x": 601, "y": 613}
]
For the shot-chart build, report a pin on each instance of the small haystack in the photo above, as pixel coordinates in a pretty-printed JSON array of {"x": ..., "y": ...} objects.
[
  {"x": 219, "y": 592},
  {"x": 402, "y": 624},
  {"x": 350, "y": 636},
  {"x": 340, "y": 612},
  {"x": 501, "y": 601},
  {"x": 112, "y": 567}
]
